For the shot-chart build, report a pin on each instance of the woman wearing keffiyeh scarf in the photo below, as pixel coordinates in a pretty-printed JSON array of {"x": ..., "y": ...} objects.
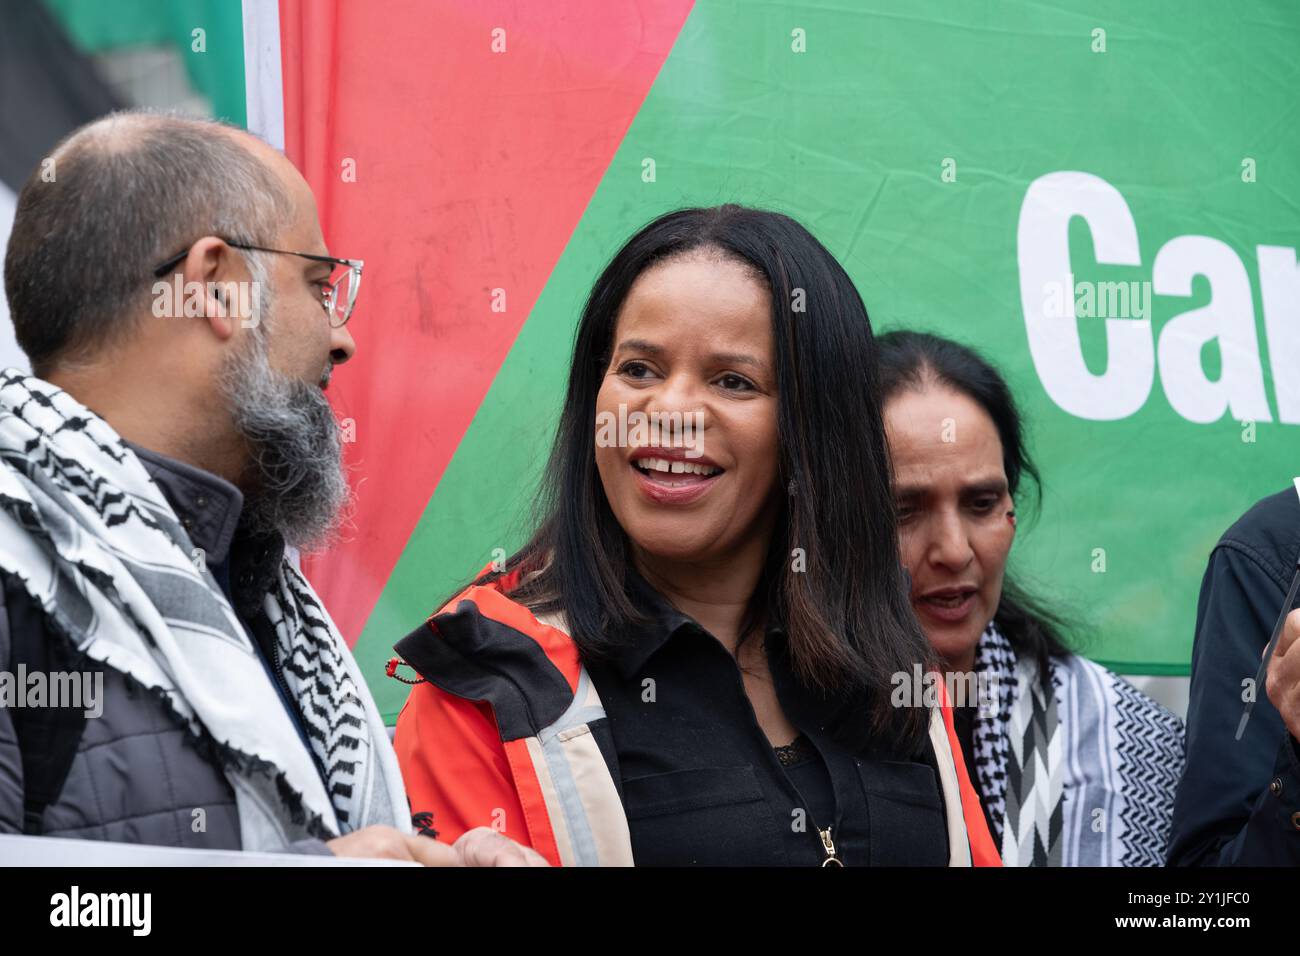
[{"x": 1075, "y": 767}]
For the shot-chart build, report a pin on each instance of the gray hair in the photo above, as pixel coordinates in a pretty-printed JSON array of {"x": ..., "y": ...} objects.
[
  {"x": 115, "y": 199},
  {"x": 298, "y": 487}
]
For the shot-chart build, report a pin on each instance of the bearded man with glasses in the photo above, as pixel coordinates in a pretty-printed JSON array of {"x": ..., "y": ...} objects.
[{"x": 154, "y": 470}]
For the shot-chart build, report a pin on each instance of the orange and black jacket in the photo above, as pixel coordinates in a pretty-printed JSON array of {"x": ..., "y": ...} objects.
[{"x": 506, "y": 729}]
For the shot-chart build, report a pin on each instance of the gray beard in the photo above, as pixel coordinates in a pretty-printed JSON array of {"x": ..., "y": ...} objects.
[{"x": 298, "y": 487}]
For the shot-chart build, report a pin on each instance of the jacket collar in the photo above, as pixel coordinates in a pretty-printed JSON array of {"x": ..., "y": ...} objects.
[
  {"x": 207, "y": 506},
  {"x": 660, "y": 621},
  {"x": 842, "y": 716}
]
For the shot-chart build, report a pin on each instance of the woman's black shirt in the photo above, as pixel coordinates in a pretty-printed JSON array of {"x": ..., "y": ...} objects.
[{"x": 701, "y": 783}]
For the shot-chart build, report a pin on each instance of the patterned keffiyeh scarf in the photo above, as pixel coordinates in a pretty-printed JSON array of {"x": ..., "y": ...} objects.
[
  {"x": 93, "y": 540},
  {"x": 1082, "y": 774}
]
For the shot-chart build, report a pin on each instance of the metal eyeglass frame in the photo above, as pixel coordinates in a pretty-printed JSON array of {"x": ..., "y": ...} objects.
[{"x": 330, "y": 298}]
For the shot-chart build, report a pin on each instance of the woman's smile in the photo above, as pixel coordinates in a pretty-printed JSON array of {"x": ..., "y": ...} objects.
[{"x": 670, "y": 476}]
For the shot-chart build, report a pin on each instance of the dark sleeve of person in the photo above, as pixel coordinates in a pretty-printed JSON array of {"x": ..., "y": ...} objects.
[
  {"x": 1239, "y": 800},
  {"x": 11, "y": 761}
]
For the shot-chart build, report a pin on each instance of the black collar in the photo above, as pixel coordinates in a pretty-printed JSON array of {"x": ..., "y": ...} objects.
[
  {"x": 660, "y": 621},
  {"x": 207, "y": 506},
  {"x": 843, "y": 717},
  {"x": 210, "y": 509}
]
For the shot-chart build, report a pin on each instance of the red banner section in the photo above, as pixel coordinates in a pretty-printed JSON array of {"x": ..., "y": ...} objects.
[{"x": 453, "y": 147}]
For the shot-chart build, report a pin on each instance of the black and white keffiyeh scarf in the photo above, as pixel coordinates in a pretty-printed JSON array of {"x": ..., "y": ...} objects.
[
  {"x": 93, "y": 540},
  {"x": 1083, "y": 775}
]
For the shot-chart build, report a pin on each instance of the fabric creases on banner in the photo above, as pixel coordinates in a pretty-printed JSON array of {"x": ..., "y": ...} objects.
[
  {"x": 457, "y": 173},
  {"x": 1127, "y": 263}
]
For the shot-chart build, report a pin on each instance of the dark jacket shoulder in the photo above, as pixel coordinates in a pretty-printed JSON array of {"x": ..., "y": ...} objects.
[{"x": 1270, "y": 534}]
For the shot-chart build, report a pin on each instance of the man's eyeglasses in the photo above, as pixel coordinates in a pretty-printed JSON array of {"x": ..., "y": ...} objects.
[{"x": 339, "y": 296}]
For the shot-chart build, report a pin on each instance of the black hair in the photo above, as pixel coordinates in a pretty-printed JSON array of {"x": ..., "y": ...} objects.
[
  {"x": 847, "y": 616},
  {"x": 911, "y": 360}
]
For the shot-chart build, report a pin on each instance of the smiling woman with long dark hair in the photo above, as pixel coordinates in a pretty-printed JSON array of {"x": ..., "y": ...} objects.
[{"x": 692, "y": 659}]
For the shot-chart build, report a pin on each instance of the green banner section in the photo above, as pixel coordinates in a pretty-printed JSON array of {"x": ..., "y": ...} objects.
[
  {"x": 208, "y": 35},
  {"x": 930, "y": 145}
]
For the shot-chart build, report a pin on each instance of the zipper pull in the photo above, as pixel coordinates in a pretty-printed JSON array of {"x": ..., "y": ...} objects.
[{"x": 829, "y": 847}]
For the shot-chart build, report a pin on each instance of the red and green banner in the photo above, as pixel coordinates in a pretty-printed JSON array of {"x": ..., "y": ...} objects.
[
  {"x": 455, "y": 147},
  {"x": 1100, "y": 197}
]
